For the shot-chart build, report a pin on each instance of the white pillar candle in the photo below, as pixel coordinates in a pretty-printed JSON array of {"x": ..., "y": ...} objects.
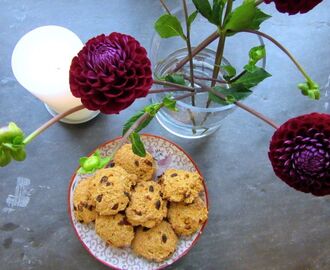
[{"x": 41, "y": 61}]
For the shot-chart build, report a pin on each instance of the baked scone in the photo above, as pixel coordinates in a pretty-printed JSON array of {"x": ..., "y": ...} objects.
[
  {"x": 115, "y": 230},
  {"x": 143, "y": 167},
  {"x": 83, "y": 203},
  {"x": 111, "y": 190},
  {"x": 180, "y": 185},
  {"x": 157, "y": 243},
  {"x": 146, "y": 208},
  {"x": 187, "y": 218}
]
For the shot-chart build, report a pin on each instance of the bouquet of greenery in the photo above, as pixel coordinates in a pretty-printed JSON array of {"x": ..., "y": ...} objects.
[{"x": 112, "y": 71}]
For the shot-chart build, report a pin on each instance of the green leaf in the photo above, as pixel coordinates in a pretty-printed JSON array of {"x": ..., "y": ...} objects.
[
  {"x": 19, "y": 155},
  {"x": 241, "y": 18},
  {"x": 246, "y": 16},
  {"x": 131, "y": 121},
  {"x": 92, "y": 163},
  {"x": 7, "y": 134},
  {"x": 169, "y": 26},
  {"x": 232, "y": 94},
  {"x": 137, "y": 144},
  {"x": 170, "y": 103},
  {"x": 204, "y": 8},
  {"x": 151, "y": 109},
  {"x": 192, "y": 17},
  {"x": 231, "y": 72},
  {"x": 175, "y": 78},
  {"x": 258, "y": 19},
  {"x": 5, "y": 158},
  {"x": 217, "y": 11},
  {"x": 82, "y": 161},
  {"x": 255, "y": 54},
  {"x": 251, "y": 79}
]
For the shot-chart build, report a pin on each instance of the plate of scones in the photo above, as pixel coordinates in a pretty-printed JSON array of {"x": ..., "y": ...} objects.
[{"x": 139, "y": 212}]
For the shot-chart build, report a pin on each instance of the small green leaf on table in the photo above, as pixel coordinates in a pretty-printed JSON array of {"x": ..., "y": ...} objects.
[
  {"x": 11, "y": 144},
  {"x": 92, "y": 163},
  {"x": 169, "y": 26}
]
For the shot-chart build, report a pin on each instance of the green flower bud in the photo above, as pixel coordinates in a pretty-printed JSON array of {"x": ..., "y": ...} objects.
[{"x": 91, "y": 163}]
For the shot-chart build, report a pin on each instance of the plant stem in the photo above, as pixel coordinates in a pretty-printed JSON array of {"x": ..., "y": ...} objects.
[
  {"x": 137, "y": 123},
  {"x": 244, "y": 107},
  {"x": 51, "y": 122},
  {"x": 165, "y": 6},
  {"x": 166, "y": 89},
  {"x": 209, "y": 79},
  {"x": 237, "y": 77},
  {"x": 191, "y": 65},
  {"x": 218, "y": 57},
  {"x": 196, "y": 50},
  {"x": 228, "y": 10},
  {"x": 279, "y": 45},
  {"x": 174, "y": 85}
]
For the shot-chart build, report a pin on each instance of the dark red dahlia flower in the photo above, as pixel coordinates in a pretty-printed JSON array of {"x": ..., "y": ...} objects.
[
  {"x": 294, "y": 6},
  {"x": 110, "y": 72},
  {"x": 300, "y": 153}
]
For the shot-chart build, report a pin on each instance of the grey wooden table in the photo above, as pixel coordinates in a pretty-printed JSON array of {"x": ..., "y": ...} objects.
[{"x": 256, "y": 221}]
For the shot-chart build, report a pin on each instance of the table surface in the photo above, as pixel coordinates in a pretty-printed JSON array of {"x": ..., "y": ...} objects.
[{"x": 256, "y": 221}]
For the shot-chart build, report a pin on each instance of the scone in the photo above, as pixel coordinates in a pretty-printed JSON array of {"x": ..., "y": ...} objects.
[
  {"x": 83, "y": 203},
  {"x": 157, "y": 243},
  {"x": 187, "y": 218},
  {"x": 143, "y": 167},
  {"x": 115, "y": 230},
  {"x": 146, "y": 208},
  {"x": 111, "y": 190},
  {"x": 179, "y": 185}
]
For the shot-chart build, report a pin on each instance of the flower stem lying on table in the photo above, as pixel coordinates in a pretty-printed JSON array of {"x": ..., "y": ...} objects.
[{"x": 51, "y": 122}]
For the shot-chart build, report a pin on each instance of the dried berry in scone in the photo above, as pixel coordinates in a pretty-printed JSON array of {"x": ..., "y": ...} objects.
[
  {"x": 115, "y": 230},
  {"x": 83, "y": 203},
  {"x": 186, "y": 219},
  {"x": 180, "y": 185},
  {"x": 143, "y": 167},
  {"x": 146, "y": 208},
  {"x": 157, "y": 243},
  {"x": 111, "y": 190}
]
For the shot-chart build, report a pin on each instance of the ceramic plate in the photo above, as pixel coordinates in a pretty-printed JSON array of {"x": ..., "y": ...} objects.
[{"x": 168, "y": 155}]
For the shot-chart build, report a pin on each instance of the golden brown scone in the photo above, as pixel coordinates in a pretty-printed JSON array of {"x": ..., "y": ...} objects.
[
  {"x": 111, "y": 190},
  {"x": 186, "y": 219},
  {"x": 115, "y": 230},
  {"x": 146, "y": 208},
  {"x": 143, "y": 167},
  {"x": 180, "y": 185},
  {"x": 157, "y": 243},
  {"x": 83, "y": 203}
]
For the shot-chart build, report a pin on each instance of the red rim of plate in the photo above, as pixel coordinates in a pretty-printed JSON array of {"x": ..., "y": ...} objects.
[{"x": 183, "y": 253}]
